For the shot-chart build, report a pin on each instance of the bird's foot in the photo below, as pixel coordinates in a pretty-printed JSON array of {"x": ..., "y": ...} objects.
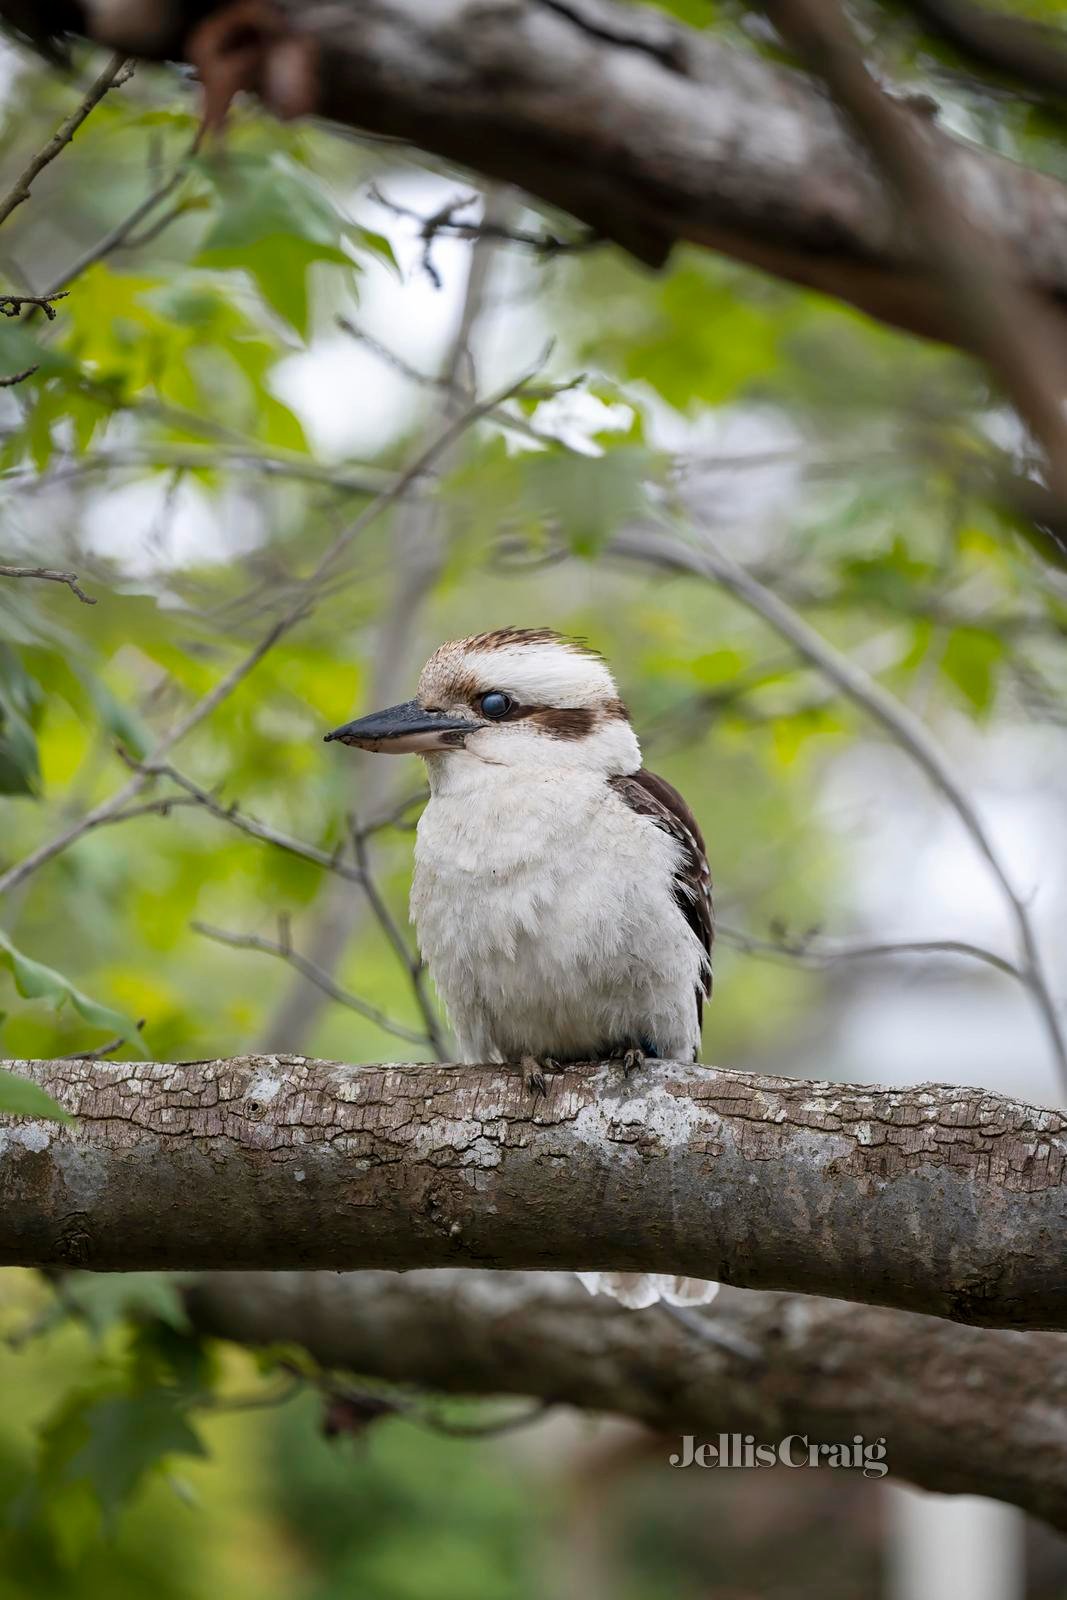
[
  {"x": 533, "y": 1072},
  {"x": 632, "y": 1060}
]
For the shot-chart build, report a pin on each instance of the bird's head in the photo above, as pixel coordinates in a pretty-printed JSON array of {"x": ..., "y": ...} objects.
[{"x": 517, "y": 697}]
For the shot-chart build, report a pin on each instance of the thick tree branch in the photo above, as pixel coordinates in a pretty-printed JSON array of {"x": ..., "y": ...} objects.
[
  {"x": 961, "y": 1410},
  {"x": 1018, "y": 333},
  {"x": 951, "y": 1201},
  {"x": 652, "y": 133}
]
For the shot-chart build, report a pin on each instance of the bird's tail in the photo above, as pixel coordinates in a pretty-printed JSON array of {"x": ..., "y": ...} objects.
[{"x": 640, "y": 1289}]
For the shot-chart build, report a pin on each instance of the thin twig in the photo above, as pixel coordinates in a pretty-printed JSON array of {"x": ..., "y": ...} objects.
[
  {"x": 104, "y": 1050},
  {"x": 49, "y": 575},
  {"x": 412, "y": 964},
  {"x": 708, "y": 1331},
  {"x": 366, "y": 1406},
  {"x": 330, "y": 861},
  {"x": 19, "y": 377},
  {"x": 113, "y": 74},
  {"x": 903, "y": 726},
  {"x": 208, "y": 703},
  {"x": 368, "y": 480},
  {"x": 13, "y": 305},
  {"x": 806, "y": 952},
  {"x": 121, "y": 235},
  {"x": 443, "y": 220},
  {"x": 266, "y": 1400},
  {"x": 999, "y": 318},
  {"x": 314, "y": 974},
  {"x": 446, "y": 383}
]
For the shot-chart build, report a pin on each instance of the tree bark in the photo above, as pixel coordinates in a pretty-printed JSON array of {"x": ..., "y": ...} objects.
[
  {"x": 937, "y": 1199},
  {"x": 653, "y": 133},
  {"x": 960, "y": 1410}
]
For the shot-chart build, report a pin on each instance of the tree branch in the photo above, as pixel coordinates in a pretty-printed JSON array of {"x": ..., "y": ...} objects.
[
  {"x": 898, "y": 720},
  {"x": 208, "y": 703},
  {"x": 680, "y": 137},
  {"x": 1033, "y": 53},
  {"x": 822, "y": 1368},
  {"x": 49, "y": 575},
  {"x": 274, "y": 1161},
  {"x": 114, "y": 74},
  {"x": 1018, "y": 333},
  {"x": 314, "y": 974},
  {"x": 810, "y": 951}
]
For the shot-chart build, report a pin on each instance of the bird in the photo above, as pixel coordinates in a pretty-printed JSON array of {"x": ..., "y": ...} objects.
[
  {"x": 561, "y": 894},
  {"x": 233, "y": 44}
]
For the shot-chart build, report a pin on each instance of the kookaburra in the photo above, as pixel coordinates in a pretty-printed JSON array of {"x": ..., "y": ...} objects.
[{"x": 561, "y": 893}]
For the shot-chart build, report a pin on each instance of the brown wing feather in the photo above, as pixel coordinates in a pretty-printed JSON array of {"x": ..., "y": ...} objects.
[{"x": 653, "y": 797}]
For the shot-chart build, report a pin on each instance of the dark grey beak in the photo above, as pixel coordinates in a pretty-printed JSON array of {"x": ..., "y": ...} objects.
[{"x": 405, "y": 728}]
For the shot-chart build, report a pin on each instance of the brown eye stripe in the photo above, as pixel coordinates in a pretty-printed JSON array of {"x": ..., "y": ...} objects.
[
  {"x": 562, "y": 722},
  {"x": 565, "y": 722}
]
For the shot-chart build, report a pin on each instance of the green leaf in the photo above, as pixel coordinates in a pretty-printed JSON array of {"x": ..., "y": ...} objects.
[
  {"x": 273, "y": 223},
  {"x": 21, "y": 1098},
  {"x": 109, "y": 1440},
  {"x": 20, "y": 697},
  {"x": 104, "y": 1298},
  {"x": 970, "y": 660},
  {"x": 118, "y": 719},
  {"x": 128, "y": 1436},
  {"x": 35, "y": 981}
]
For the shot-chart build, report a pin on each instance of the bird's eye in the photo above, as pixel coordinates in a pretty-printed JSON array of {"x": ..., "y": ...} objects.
[{"x": 496, "y": 704}]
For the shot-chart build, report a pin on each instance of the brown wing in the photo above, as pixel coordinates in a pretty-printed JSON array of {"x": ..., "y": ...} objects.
[{"x": 653, "y": 797}]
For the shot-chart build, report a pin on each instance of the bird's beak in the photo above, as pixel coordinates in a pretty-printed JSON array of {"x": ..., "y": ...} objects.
[{"x": 404, "y": 728}]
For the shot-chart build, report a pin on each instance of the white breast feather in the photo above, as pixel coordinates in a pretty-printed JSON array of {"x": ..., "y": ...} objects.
[{"x": 545, "y": 909}]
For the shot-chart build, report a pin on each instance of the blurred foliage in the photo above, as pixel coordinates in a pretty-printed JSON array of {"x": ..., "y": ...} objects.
[{"x": 182, "y": 446}]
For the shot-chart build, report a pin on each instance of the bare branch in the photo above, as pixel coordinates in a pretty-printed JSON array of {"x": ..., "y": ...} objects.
[
  {"x": 1033, "y": 53},
  {"x": 13, "y": 305},
  {"x": 102, "y": 1051},
  {"x": 421, "y": 539},
  {"x": 314, "y": 974},
  {"x": 203, "y": 708},
  {"x": 330, "y": 861},
  {"x": 808, "y": 951},
  {"x": 413, "y": 965},
  {"x": 902, "y": 725},
  {"x": 49, "y": 574},
  {"x": 244, "y": 455},
  {"x": 271, "y": 1162},
  {"x": 116, "y": 73},
  {"x": 821, "y": 1369},
  {"x": 1017, "y": 333},
  {"x": 122, "y": 235},
  {"x": 445, "y": 221},
  {"x": 682, "y": 138}
]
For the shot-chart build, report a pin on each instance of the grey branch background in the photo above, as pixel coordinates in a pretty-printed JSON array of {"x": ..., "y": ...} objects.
[{"x": 964, "y": 1410}]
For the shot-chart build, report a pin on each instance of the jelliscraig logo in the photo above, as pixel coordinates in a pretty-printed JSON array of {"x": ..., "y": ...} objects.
[{"x": 735, "y": 1450}]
